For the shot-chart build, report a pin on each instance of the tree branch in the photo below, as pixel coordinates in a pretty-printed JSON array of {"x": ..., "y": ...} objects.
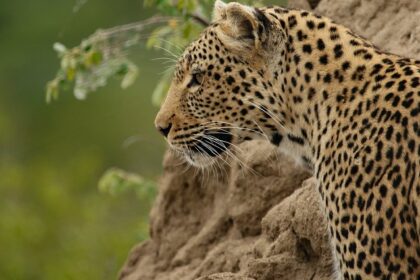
[{"x": 200, "y": 19}]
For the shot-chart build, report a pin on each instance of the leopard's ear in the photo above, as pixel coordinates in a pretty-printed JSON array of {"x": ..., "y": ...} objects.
[
  {"x": 244, "y": 25},
  {"x": 219, "y": 10}
]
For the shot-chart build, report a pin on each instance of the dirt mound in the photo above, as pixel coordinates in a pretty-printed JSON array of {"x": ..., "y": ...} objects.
[
  {"x": 253, "y": 223},
  {"x": 391, "y": 25},
  {"x": 233, "y": 223}
]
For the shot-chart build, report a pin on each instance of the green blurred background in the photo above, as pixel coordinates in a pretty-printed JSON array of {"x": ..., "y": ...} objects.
[{"x": 54, "y": 223}]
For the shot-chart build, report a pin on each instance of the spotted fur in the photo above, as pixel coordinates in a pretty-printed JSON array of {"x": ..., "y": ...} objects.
[{"x": 329, "y": 98}]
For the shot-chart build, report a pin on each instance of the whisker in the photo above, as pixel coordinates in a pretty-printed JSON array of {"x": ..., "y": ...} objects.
[
  {"x": 225, "y": 142},
  {"x": 263, "y": 133},
  {"x": 179, "y": 48},
  {"x": 168, "y": 51},
  {"x": 227, "y": 125},
  {"x": 210, "y": 147},
  {"x": 204, "y": 170},
  {"x": 240, "y": 162},
  {"x": 267, "y": 111},
  {"x": 164, "y": 58}
]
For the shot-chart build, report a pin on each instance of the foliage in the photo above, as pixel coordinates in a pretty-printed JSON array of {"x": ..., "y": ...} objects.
[
  {"x": 52, "y": 229},
  {"x": 116, "y": 181},
  {"x": 54, "y": 223},
  {"x": 98, "y": 58},
  {"x": 103, "y": 55}
]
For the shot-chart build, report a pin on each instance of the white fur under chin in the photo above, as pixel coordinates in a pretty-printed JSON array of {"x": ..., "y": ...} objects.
[{"x": 198, "y": 160}]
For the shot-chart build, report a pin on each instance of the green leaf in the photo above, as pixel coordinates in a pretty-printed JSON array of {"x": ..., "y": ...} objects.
[
  {"x": 93, "y": 57},
  {"x": 155, "y": 39},
  {"x": 59, "y": 48},
  {"x": 116, "y": 181},
  {"x": 70, "y": 73},
  {"x": 161, "y": 89},
  {"x": 52, "y": 90},
  {"x": 130, "y": 76}
]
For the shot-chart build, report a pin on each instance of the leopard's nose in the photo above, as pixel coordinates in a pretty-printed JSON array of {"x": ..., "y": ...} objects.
[
  {"x": 164, "y": 130},
  {"x": 163, "y": 123},
  {"x": 165, "y": 119}
]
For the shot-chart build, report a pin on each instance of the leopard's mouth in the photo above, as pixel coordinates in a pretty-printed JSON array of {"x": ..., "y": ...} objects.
[
  {"x": 212, "y": 143},
  {"x": 208, "y": 146}
]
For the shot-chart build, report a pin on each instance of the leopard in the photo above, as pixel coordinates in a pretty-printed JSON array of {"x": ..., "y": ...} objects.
[{"x": 327, "y": 97}]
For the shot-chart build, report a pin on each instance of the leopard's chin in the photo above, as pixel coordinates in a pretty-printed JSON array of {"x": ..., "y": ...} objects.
[
  {"x": 212, "y": 143},
  {"x": 200, "y": 160},
  {"x": 209, "y": 147}
]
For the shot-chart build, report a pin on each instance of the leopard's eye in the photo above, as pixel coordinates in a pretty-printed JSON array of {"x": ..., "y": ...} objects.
[{"x": 196, "y": 79}]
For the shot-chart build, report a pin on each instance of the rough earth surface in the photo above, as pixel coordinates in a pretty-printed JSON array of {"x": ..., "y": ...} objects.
[{"x": 260, "y": 220}]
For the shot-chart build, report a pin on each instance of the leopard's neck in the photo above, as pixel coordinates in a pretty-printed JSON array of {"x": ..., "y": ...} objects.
[{"x": 323, "y": 74}]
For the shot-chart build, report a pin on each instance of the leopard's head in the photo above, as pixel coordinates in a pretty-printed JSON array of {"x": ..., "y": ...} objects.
[{"x": 222, "y": 92}]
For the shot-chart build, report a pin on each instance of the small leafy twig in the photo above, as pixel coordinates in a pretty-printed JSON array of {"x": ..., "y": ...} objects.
[
  {"x": 99, "y": 57},
  {"x": 200, "y": 19},
  {"x": 131, "y": 27},
  {"x": 115, "y": 181}
]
